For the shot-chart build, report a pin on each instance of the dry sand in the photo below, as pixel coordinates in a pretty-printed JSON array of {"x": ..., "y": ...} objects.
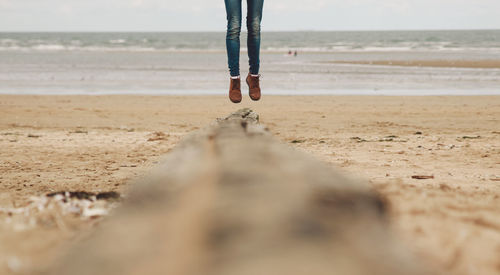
[{"x": 100, "y": 143}]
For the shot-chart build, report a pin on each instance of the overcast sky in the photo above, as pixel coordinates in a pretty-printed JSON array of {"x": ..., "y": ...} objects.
[{"x": 209, "y": 15}]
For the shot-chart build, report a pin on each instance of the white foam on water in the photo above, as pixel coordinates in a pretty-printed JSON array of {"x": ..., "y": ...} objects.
[
  {"x": 52, "y": 47},
  {"x": 117, "y": 41}
]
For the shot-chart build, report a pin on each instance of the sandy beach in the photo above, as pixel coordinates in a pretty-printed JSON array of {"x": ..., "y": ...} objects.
[{"x": 436, "y": 160}]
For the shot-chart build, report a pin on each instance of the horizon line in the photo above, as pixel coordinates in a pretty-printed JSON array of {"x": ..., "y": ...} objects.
[{"x": 219, "y": 31}]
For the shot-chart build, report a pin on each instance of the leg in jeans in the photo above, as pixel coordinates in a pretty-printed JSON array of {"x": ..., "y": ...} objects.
[
  {"x": 254, "y": 19},
  {"x": 233, "y": 10}
]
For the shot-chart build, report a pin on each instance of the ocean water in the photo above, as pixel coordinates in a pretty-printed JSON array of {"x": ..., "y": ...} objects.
[
  {"x": 487, "y": 40},
  {"x": 195, "y": 63}
]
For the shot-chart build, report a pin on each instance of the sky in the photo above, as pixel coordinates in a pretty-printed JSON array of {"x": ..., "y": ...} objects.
[{"x": 279, "y": 15}]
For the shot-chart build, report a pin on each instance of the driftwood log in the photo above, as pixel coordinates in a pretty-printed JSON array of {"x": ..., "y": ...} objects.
[{"x": 231, "y": 200}]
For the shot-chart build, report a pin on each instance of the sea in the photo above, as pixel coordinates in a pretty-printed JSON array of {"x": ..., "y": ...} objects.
[{"x": 196, "y": 63}]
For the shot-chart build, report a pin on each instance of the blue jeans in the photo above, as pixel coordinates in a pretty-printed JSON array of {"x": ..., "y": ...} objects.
[{"x": 254, "y": 17}]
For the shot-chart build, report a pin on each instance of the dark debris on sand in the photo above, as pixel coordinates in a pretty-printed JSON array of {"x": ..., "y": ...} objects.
[{"x": 82, "y": 195}]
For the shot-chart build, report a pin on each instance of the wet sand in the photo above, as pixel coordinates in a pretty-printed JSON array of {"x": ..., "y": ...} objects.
[
  {"x": 99, "y": 144},
  {"x": 472, "y": 64}
]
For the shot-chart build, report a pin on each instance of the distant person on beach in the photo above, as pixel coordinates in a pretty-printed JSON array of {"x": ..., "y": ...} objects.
[{"x": 234, "y": 18}]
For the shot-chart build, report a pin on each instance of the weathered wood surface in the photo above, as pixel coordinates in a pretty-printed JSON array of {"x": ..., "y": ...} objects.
[{"x": 231, "y": 200}]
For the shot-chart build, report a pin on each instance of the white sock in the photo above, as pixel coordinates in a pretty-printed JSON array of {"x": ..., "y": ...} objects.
[
  {"x": 235, "y": 77},
  {"x": 255, "y": 75}
]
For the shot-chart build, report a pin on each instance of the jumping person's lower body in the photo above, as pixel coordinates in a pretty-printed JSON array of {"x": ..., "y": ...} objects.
[{"x": 234, "y": 18}]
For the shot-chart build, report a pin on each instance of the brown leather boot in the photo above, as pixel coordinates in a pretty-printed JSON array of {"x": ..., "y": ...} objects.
[
  {"x": 254, "y": 86},
  {"x": 235, "y": 90}
]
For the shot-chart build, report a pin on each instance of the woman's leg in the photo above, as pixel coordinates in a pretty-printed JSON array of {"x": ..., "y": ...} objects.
[
  {"x": 233, "y": 10},
  {"x": 254, "y": 18}
]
